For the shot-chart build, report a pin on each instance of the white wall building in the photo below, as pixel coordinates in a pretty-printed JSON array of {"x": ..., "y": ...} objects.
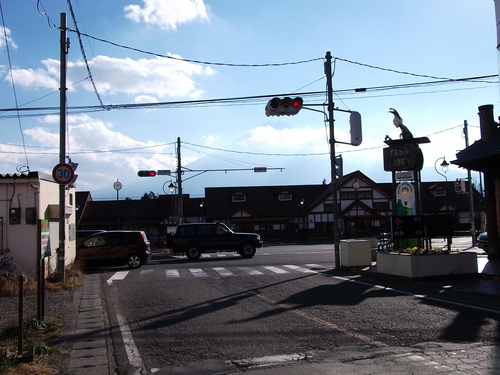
[{"x": 24, "y": 199}]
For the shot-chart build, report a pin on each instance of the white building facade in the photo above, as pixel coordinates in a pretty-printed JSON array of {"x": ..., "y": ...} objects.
[{"x": 26, "y": 198}]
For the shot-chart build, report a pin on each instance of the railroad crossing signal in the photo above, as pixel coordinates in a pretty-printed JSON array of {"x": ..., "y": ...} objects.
[{"x": 283, "y": 107}]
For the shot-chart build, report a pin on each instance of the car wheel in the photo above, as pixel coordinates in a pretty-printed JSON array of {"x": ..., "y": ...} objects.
[
  {"x": 193, "y": 252},
  {"x": 247, "y": 250},
  {"x": 134, "y": 261}
]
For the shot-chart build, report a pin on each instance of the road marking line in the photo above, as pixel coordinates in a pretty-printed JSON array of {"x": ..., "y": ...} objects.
[
  {"x": 172, "y": 273},
  {"x": 133, "y": 355},
  {"x": 297, "y": 268},
  {"x": 250, "y": 271},
  {"x": 198, "y": 272},
  {"x": 120, "y": 275},
  {"x": 223, "y": 271},
  {"x": 275, "y": 269}
]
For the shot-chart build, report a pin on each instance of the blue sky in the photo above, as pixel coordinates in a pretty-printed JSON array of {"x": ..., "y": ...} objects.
[{"x": 376, "y": 44}]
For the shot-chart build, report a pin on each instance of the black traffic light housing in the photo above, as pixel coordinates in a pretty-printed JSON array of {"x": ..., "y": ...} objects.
[
  {"x": 146, "y": 173},
  {"x": 284, "y": 107},
  {"x": 460, "y": 186}
]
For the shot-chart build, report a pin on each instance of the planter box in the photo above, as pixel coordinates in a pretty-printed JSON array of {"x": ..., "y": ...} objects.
[
  {"x": 415, "y": 266},
  {"x": 355, "y": 253}
]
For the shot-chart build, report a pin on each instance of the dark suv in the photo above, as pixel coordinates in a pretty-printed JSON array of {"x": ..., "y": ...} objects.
[
  {"x": 115, "y": 247},
  {"x": 194, "y": 239}
]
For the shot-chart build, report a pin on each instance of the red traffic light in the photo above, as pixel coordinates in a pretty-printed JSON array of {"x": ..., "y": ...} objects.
[
  {"x": 281, "y": 107},
  {"x": 146, "y": 173},
  {"x": 297, "y": 103}
]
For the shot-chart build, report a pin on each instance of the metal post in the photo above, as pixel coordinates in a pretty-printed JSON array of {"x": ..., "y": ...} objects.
[
  {"x": 62, "y": 146},
  {"x": 328, "y": 72},
  {"x": 20, "y": 316},
  {"x": 471, "y": 192}
]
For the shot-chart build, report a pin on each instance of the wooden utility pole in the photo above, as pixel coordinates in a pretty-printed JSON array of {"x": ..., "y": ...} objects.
[
  {"x": 336, "y": 240},
  {"x": 180, "y": 209},
  {"x": 64, "y": 45}
]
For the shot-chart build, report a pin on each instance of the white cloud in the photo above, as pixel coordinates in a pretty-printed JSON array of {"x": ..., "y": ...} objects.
[
  {"x": 161, "y": 77},
  {"x": 305, "y": 139},
  {"x": 145, "y": 99},
  {"x": 208, "y": 139},
  {"x": 5, "y": 36},
  {"x": 99, "y": 150},
  {"x": 167, "y": 14},
  {"x": 38, "y": 78}
]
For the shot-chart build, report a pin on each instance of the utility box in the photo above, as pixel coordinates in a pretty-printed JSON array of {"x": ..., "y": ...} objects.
[{"x": 355, "y": 253}]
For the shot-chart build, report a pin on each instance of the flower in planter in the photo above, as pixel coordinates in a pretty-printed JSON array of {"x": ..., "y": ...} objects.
[{"x": 420, "y": 251}]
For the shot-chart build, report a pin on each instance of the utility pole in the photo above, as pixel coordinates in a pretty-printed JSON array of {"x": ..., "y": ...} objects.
[
  {"x": 64, "y": 46},
  {"x": 180, "y": 210},
  {"x": 328, "y": 72},
  {"x": 471, "y": 193}
]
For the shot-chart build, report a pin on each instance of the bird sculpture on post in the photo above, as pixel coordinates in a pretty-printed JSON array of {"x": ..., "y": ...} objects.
[{"x": 398, "y": 123}]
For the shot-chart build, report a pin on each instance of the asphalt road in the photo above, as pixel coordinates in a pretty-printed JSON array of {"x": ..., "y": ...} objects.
[{"x": 285, "y": 300}]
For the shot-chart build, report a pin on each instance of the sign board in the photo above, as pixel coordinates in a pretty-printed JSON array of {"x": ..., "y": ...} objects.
[
  {"x": 418, "y": 226},
  {"x": 405, "y": 192},
  {"x": 407, "y": 226},
  {"x": 405, "y": 176},
  {"x": 44, "y": 239},
  {"x": 402, "y": 157},
  {"x": 63, "y": 173}
]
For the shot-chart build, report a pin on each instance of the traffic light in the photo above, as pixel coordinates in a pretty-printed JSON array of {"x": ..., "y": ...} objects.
[
  {"x": 460, "y": 186},
  {"x": 146, "y": 173},
  {"x": 281, "y": 107},
  {"x": 356, "y": 133}
]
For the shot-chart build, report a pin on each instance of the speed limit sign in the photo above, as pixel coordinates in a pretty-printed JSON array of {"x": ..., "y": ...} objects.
[{"x": 63, "y": 173}]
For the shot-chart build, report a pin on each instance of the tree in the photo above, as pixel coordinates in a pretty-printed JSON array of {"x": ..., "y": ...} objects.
[{"x": 149, "y": 196}]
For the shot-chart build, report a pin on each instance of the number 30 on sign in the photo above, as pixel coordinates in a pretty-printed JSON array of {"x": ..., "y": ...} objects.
[{"x": 63, "y": 173}]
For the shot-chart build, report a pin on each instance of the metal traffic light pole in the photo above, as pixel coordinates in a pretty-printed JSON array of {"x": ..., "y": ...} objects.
[{"x": 328, "y": 72}]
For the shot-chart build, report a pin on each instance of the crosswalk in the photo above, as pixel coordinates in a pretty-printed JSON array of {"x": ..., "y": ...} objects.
[{"x": 175, "y": 273}]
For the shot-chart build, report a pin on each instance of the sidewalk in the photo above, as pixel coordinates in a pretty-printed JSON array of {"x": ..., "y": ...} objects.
[{"x": 91, "y": 347}]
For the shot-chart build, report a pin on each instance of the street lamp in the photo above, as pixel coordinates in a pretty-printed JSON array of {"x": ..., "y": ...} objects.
[
  {"x": 172, "y": 188},
  {"x": 444, "y": 166}
]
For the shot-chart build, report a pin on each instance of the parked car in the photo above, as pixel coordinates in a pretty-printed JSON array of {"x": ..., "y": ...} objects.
[
  {"x": 195, "y": 239},
  {"x": 115, "y": 247},
  {"x": 82, "y": 234},
  {"x": 482, "y": 241}
]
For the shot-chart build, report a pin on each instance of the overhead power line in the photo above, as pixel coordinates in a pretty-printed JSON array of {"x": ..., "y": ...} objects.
[
  {"x": 82, "y": 49},
  {"x": 244, "y": 100}
]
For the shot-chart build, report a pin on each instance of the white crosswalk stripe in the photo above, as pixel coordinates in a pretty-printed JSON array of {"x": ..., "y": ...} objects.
[
  {"x": 300, "y": 269},
  {"x": 172, "y": 273},
  {"x": 275, "y": 269},
  {"x": 223, "y": 271},
  {"x": 250, "y": 271},
  {"x": 198, "y": 272}
]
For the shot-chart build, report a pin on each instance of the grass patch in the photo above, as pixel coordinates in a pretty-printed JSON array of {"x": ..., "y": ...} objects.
[
  {"x": 9, "y": 283},
  {"x": 37, "y": 334}
]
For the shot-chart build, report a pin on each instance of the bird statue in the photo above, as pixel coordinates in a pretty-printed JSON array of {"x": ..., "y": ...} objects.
[{"x": 398, "y": 123}]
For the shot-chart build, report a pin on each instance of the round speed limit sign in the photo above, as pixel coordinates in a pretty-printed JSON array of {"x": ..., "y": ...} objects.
[{"x": 63, "y": 173}]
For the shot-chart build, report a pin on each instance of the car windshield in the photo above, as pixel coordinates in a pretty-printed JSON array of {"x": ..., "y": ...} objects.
[{"x": 225, "y": 228}]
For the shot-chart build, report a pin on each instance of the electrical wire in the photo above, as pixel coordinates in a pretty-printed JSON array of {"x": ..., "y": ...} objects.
[
  {"x": 21, "y": 168},
  {"x": 195, "y": 61},
  {"x": 245, "y": 100},
  {"x": 43, "y": 12},
  {"x": 82, "y": 49}
]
